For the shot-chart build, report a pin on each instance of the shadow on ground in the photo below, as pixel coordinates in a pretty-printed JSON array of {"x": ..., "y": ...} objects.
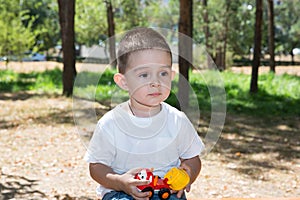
[
  {"x": 20, "y": 187},
  {"x": 256, "y": 145}
]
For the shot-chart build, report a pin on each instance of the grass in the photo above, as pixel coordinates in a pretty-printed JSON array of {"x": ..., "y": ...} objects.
[
  {"x": 279, "y": 95},
  {"x": 48, "y": 81}
]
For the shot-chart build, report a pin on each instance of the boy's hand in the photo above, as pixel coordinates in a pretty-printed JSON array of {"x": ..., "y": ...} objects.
[
  {"x": 129, "y": 183},
  {"x": 188, "y": 187}
]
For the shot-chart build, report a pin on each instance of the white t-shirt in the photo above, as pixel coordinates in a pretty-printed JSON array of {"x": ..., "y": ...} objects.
[{"x": 123, "y": 141}]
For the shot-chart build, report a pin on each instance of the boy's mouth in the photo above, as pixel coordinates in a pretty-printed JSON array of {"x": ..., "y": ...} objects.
[{"x": 155, "y": 94}]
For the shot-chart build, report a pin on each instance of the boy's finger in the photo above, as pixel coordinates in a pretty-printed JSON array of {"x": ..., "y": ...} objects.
[
  {"x": 179, "y": 194},
  {"x": 140, "y": 195},
  {"x": 141, "y": 182},
  {"x": 188, "y": 187},
  {"x": 134, "y": 171}
]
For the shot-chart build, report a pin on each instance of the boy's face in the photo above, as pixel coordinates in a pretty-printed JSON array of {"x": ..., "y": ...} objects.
[{"x": 148, "y": 76}]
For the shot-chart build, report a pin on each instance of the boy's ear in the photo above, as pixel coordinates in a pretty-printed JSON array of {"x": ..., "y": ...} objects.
[
  {"x": 120, "y": 80},
  {"x": 173, "y": 75}
]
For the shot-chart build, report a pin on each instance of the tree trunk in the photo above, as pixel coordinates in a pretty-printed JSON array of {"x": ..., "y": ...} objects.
[
  {"x": 218, "y": 57},
  {"x": 225, "y": 34},
  {"x": 66, "y": 19},
  {"x": 111, "y": 34},
  {"x": 224, "y": 51},
  {"x": 206, "y": 32},
  {"x": 206, "y": 25},
  {"x": 185, "y": 51},
  {"x": 271, "y": 34},
  {"x": 292, "y": 57},
  {"x": 257, "y": 47}
]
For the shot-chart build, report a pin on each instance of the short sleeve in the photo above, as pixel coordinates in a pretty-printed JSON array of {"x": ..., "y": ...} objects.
[
  {"x": 189, "y": 143},
  {"x": 101, "y": 148}
]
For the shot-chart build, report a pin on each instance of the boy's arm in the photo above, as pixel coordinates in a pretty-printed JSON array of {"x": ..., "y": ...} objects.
[
  {"x": 106, "y": 177},
  {"x": 192, "y": 166}
]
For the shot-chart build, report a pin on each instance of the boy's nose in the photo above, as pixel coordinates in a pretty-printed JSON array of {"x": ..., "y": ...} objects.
[{"x": 154, "y": 84}]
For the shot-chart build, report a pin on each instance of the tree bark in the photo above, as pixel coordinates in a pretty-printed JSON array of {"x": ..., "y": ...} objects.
[
  {"x": 257, "y": 47},
  {"x": 225, "y": 34},
  {"x": 271, "y": 34},
  {"x": 206, "y": 25},
  {"x": 292, "y": 57},
  {"x": 185, "y": 51},
  {"x": 66, "y": 19},
  {"x": 218, "y": 57},
  {"x": 111, "y": 34},
  {"x": 206, "y": 31}
]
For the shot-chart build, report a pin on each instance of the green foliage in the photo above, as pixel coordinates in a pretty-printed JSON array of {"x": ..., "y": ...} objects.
[
  {"x": 279, "y": 95},
  {"x": 129, "y": 14},
  {"x": 241, "y": 24},
  {"x": 287, "y": 32},
  {"x": 163, "y": 14},
  {"x": 90, "y": 22},
  {"x": 28, "y": 25},
  {"x": 43, "y": 14},
  {"x": 34, "y": 24},
  {"x": 15, "y": 38},
  {"x": 232, "y": 21}
]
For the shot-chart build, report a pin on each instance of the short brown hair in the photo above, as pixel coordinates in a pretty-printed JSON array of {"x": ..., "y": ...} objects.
[{"x": 139, "y": 39}]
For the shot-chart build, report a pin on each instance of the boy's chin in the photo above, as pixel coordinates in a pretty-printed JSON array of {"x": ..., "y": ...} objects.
[{"x": 153, "y": 104}]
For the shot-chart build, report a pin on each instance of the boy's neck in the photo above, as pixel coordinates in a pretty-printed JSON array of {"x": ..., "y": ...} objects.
[{"x": 140, "y": 110}]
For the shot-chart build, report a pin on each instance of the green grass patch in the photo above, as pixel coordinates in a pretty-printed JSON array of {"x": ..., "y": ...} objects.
[
  {"x": 48, "y": 81},
  {"x": 279, "y": 95}
]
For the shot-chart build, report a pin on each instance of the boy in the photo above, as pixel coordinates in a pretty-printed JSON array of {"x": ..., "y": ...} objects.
[{"x": 143, "y": 132}]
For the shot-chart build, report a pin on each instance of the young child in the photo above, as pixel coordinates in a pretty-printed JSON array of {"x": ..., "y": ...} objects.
[{"x": 143, "y": 132}]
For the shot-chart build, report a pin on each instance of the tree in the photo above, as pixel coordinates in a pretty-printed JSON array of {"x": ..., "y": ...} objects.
[
  {"x": 287, "y": 17},
  {"x": 206, "y": 25},
  {"x": 43, "y": 15},
  {"x": 221, "y": 48},
  {"x": 162, "y": 13},
  {"x": 111, "y": 33},
  {"x": 90, "y": 22},
  {"x": 129, "y": 14},
  {"x": 271, "y": 34},
  {"x": 257, "y": 46},
  {"x": 185, "y": 50},
  {"x": 224, "y": 26},
  {"x": 66, "y": 19},
  {"x": 15, "y": 37},
  {"x": 241, "y": 34}
]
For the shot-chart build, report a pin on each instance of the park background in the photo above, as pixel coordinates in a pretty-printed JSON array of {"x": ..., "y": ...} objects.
[{"x": 255, "y": 48}]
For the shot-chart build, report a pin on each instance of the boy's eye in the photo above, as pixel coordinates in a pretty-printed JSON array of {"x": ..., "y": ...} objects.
[
  {"x": 164, "y": 73},
  {"x": 144, "y": 75}
]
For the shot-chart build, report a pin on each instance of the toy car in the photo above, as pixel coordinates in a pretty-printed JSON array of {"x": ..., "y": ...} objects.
[{"x": 175, "y": 179}]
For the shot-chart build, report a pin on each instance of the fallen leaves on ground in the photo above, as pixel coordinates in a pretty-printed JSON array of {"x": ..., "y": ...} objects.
[{"x": 41, "y": 155}]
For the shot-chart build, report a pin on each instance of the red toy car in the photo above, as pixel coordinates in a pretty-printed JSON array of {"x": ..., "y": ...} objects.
[{"x": 156, "y": 184}]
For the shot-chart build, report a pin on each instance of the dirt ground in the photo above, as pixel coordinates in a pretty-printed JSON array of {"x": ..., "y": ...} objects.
[{"x": 41, "y": 153}]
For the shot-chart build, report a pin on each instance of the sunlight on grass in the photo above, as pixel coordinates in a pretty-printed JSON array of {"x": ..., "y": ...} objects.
[{"x": 278, "y": 94}]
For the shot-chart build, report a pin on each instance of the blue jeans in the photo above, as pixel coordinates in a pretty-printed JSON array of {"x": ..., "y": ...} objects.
[{"x": 114, "y": 195}]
